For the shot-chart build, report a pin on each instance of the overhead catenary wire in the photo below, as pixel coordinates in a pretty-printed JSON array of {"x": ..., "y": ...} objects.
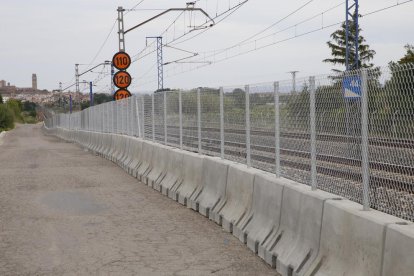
[
  {"x": 168, "y": 75},
  {"x": 231, "y": 10}
]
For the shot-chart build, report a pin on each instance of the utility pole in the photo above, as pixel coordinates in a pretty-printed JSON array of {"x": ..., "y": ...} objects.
[
  {"x": 90, "y": 94},
  {"x": 293, "y": 81},
  {"x": 355, "y": 45},
  {"x": 70, "y": 104},
  {"x": 160, "y": 63},
  {"x": 112, "y": 77},
  {"x": 121, "y": 33},
  {"x": 76, "y": 82},
  {"x": 77, "y": 77},
  {"x": 60, "y": 95}
]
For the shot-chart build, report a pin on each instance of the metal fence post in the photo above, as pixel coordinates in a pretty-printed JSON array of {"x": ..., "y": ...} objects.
[
  {"x": 113, "y": 117},
  {"x": 165, "y": 117},
  {"x": 138, "y": 116},
  {"x": 127, "y": 116},
  {"x": 248, "y": 152},
  {"x": 153, "y": 116},
  {"x": 221, "y": 122},
  {"x": 143, "y": 117},
  {"x": 180, "y": 112},
  {"x": 364, "y": 140},
  {"x": 199, "y": 119},
  {"x": 312, "y": 109},
  {"x": 277, "y": 129}
]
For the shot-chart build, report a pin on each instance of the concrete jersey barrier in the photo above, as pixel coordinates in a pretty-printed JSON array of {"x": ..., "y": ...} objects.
[
  {"x": 214, "y": 181},
  {"x": 266, "y": 211},
  {"x": 192, "y": 171},
  {"x": 398, "y": 250},
  {"x": 296, "y": 230},
  {"x": 159, "y": 164},
  {"x": 295, "y": 245},
  {"x": 238, "y": 201},
  {"x": 352, "y": 240},
  {"x": 174, "y": 172}
]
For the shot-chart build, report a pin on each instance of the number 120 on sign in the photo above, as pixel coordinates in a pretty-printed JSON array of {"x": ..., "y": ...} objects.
[{"x": 122, "y": 79}]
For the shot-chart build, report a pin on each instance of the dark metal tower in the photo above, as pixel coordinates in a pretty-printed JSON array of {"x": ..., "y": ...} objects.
[
  {"x": 160, "y": 63},
  {"x": 349, "y": 8}
]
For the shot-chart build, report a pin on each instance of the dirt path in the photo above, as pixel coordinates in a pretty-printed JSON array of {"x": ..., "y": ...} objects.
[{"x": 64, "y": 211}]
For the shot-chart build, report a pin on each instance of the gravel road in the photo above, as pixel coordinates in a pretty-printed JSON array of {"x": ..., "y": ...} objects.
[{"x": 64, "y": 211}]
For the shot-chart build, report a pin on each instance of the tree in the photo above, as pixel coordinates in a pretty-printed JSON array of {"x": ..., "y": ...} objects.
[
  {"x": 397, "y": 99},
  {"x": 6, "y": 118},
  {"x": 16, "y": 107},
  {"x": 338, "y": 48},
  {"x": 1, "y": 100},
  {"x": 409, "y": 56}
]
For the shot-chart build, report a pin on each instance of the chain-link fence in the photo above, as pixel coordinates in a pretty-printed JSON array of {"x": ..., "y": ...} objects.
[{"x": 351, "y": 134}]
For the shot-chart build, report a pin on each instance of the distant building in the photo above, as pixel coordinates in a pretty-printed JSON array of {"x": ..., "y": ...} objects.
[
  {"x": 34, "y": 82},
  {"x": 2, "y": 83}
]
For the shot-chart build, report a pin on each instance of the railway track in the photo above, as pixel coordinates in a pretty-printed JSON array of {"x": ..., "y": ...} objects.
[
  {"x": 374, "y": 141},
  {"x": 261, "y": 154}
]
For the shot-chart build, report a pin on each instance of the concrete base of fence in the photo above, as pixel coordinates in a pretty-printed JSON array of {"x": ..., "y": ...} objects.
[
  {"x": 294, "y": 229},
  {"x": 398, "y": 250},
  {"x": 214, "y": 180},
  {"x": 352, "y": 240}
]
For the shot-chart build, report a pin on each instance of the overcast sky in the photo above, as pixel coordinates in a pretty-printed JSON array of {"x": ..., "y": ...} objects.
[{"x": 48, "y": 37}]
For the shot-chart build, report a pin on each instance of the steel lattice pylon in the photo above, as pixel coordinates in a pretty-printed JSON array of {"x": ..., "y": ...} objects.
[
  {"x": 354, "y": 6},
  {"x": 160, "y": 63}
]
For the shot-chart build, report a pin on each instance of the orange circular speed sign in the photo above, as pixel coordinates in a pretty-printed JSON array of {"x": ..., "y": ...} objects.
[
  {"x": 121, "y": 94},
  {"x": 121, "y": 61},
  {"x": 122, "y": 79}
]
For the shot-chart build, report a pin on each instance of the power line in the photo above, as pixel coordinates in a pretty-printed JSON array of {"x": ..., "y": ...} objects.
[
  {"x": 105, "y": 41},
  {"x": 387, "y": 8},
  {"x": 283, "y": 40},
  {"x": 231, "y": 10},
  {"x": 133, "y": 8}
]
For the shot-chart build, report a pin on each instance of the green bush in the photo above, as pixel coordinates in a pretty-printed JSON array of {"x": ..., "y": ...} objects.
[
  {"x": 6, "y": 118},
  {"x": 16, "y": 107}
]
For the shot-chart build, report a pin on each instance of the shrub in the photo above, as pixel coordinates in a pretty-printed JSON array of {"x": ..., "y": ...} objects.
[{"x": 6, "y": 118}]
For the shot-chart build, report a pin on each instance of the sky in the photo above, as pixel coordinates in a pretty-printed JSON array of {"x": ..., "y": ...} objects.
[{"x": 49, "y": 37}]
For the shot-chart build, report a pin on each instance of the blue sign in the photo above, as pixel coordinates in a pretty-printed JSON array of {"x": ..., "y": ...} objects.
[{"x": 352, "y": 87}]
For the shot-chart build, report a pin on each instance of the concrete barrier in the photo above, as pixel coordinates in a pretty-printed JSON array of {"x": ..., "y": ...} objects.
[
  {"x": 174, "y": 172},
  {"x": 296, "y": 230},
  {"x": 192, "y": 171},
  {"x": 145, "y": 166},
  {"x": 352, "y": 240},
  {"x": 120, "y": 148},
  {"x": 91, "y": 140},
  {"x": 85, "y": 139},
  {"x": 159, "y": 164},
  {"x": 214, "y": 179},
  {"x": 106, "y": 142},
  {"x": 265, "y": 213},
  {"x": 136, "y": 154},
  {"x": 399, "y": 250},
  {"x": 125, "y": 153},
  {"x": 112, "y": 147},
  {"x": 238, "y": 201},
  {"x": 296, "y": 243},
  {"x": 97, "y": 140},
  {"x": 131, "y": 142}
]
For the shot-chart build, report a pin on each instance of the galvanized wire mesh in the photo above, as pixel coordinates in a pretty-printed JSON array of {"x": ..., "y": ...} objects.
[
  {"x": 351, "y": 134},
  {"x": 189, "y": 120},
  {"x": 210, "y": 121},
  {"x": 234, "y": 101},
  {"x": 173, "y": 118}
]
